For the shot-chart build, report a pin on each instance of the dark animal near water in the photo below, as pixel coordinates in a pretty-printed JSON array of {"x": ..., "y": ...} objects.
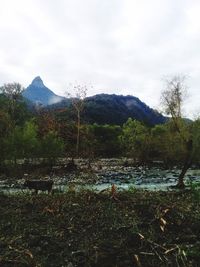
[{"x": 43, "y": 185}]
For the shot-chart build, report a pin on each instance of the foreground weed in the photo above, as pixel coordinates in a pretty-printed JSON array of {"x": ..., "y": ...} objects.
[{"x": 195, "y": 191}]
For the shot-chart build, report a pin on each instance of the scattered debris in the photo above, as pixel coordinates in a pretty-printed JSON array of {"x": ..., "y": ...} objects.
[{"x": 142, "y": 229}]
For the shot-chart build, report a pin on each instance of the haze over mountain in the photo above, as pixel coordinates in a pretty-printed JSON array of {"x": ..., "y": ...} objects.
[
  {"x": 100, "y": 108},
  {"x": 116, "y": 109},
  {"x": 38, "y": 93}
]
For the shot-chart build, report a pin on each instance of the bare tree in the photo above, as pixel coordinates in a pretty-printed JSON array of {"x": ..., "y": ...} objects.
[
  {"x": 172, "y": 99},
  {"x": 78, "y": 101}
]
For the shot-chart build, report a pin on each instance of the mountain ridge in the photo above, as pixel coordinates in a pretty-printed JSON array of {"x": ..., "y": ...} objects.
[
  {"x": 118, "y": 108},
  {"x": 100, "y": 108}
]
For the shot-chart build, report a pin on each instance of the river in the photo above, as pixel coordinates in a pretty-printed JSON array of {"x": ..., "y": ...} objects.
[{"x": 154, "y": 178}]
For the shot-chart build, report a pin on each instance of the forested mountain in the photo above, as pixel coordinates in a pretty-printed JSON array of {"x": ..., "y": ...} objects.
[
  {"x": 116, "y": 109},
  {"x": 100, "y": 108},
  {"x": 113, "y": 109}
]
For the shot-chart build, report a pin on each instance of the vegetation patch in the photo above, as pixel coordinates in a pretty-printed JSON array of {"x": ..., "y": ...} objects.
[{"x": 85, "y": 228}]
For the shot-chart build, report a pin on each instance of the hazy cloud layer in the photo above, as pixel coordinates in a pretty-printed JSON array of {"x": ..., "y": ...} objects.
[{"x": 122, "y": 47}]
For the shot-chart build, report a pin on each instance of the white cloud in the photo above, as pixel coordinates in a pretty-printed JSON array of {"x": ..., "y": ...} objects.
[{"x": 117, "y": 46}]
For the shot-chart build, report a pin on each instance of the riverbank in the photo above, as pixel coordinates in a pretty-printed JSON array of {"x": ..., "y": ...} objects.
[
  {"x": 100, "y": 174},
  {"x": 132, "y": 228}
]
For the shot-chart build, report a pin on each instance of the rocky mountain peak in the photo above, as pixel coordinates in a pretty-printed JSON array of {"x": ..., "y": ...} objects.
[
  {"x": 37, "y": 92},
  {"x": 37, "y": 81}
]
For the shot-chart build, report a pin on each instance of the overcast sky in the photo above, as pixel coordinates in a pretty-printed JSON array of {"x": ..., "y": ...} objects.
[{"x": 117, "y": 46}]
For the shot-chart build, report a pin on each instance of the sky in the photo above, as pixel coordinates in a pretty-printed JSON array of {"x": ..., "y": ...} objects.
[{"x": 112, "y": 46}]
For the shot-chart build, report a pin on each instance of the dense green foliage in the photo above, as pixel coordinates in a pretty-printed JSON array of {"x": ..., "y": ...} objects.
[
  {"x": 47, "y": 135},
  {"x": 20, "y": 138}
]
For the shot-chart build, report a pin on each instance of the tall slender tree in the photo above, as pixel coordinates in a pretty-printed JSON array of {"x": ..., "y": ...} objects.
[
  {"x": 172, "y": 99},
  {"x": 78, "y": 101}
]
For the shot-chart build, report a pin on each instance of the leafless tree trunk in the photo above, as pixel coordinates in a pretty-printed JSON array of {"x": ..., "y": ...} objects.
[
  {"x": 78, "y": 132},
  {"x": 78, "y": 102},
  {"x": 187, "y": 164}
]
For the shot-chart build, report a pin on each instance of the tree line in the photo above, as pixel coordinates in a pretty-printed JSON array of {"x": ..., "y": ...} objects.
[{"x": 47, "y": 134}]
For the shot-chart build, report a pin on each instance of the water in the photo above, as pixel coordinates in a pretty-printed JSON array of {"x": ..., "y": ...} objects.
[{"x": 123, "y": 178}]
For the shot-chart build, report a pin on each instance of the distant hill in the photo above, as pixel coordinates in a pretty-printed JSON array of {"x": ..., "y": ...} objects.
[
  {"x": 116, "y": 109},
  {"x": 38, "y": 93},
  {"x": 101, "y": 108},
  {"x": 113, "y": 109}
]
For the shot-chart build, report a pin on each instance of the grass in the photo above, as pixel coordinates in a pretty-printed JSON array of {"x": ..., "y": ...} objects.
[
  {"x": 195, "y": 191},
  {"x": 134, "y": 228}
]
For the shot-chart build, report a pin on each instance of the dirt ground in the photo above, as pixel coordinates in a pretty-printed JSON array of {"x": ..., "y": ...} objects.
[{"x": 108, "y": 229}]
